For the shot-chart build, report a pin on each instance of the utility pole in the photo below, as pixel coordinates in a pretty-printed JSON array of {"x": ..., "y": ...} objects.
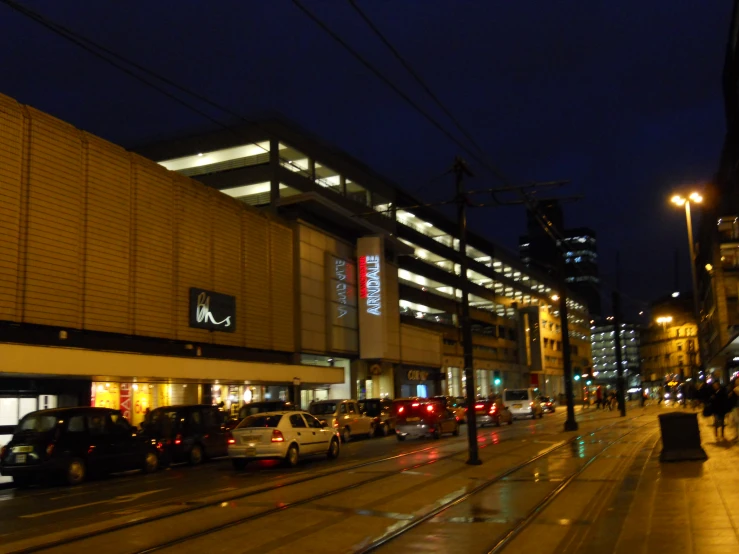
[
  {"x": 570, "y": 422},
  {"x": 616, "y": 299},
  {"x": 460, "y": 170}
]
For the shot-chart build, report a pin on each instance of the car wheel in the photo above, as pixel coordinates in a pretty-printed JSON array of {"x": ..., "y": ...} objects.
[
  {"x": 456, "y": 430},
  {"x": 333, "y": 450},
  {"x": 346, "y": 434},
  {"x": 151, "y": 462},
  {"x": 293, "y": 457},
  {"x": 385, "y": 430},
  {"x": 239, "y": 464},
  {"x": 400, "y": 437},
  {"x": 75, "y": 472},
  {"x": 22, "y": 481},
  {"x": 196, "y": 455}
]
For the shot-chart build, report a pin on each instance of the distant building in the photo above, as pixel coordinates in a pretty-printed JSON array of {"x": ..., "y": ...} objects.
[
  {"x": 581, "y": 255},
  {"x": 669, "y": 345},
  {"x": 603, "y": 348}
]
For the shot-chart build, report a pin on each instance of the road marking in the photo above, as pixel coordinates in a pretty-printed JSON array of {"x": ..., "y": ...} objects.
[{"x": 116, "y": 500}]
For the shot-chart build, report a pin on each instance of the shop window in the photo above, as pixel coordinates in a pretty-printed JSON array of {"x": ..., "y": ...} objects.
[
  {"x": 421, "y": 391},
  {"x": 328, "y": 178}
]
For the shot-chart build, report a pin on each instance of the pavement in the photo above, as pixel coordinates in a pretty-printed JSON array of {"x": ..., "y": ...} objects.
[{"x": 602, "y": 489}]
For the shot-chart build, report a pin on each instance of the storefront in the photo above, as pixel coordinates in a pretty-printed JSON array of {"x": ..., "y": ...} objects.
[{"x": 418, "y": 381}]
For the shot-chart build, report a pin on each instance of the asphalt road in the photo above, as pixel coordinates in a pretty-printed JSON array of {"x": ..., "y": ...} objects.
[{"x": 39, "y": 511}]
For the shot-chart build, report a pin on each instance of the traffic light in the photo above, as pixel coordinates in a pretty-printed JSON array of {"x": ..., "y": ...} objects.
[
  {"x": 496, "y": 378},
  {"x": 577, "y": 377}
]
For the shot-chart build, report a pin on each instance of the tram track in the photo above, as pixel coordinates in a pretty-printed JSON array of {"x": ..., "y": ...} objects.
[
  {"x": 271, "y": 486},
  {"x": 187, "y": 538},
  {"x": 513, "y": 532}
]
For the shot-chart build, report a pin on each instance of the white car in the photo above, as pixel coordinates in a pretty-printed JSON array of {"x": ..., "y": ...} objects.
[
  {"x": 523, "y": 403},
  {"x": 286, "y": 436}
]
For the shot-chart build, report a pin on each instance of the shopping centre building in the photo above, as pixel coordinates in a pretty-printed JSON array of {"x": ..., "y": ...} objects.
[{"x": 245, "y": 265}]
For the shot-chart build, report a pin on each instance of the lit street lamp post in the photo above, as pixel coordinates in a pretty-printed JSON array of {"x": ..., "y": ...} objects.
[{"x": 680, "y": 201}]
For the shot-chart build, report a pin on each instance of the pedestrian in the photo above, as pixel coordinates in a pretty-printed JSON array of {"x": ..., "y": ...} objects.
[
  {"x": 660, "y": 395},
  {"x": 733, "y": 405},
  {"x": 598, "y": 398},
  {"x": 644, "y": 398},
  {"x": 719, "y": 406}
]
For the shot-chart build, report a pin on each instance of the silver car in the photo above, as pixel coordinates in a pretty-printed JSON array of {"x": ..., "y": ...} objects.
[{"x": 344, "y": 416}]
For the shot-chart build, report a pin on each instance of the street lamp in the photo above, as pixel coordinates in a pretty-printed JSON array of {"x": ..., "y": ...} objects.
[
  {"x": 680, "y": 201},
  {"x": 664, "y": 320}
]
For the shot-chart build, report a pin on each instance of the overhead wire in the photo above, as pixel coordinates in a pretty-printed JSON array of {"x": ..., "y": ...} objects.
[{"x": 531, "y": 204}]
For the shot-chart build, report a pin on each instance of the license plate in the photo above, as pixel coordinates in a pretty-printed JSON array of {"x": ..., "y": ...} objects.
[
  {"x": 20, "y": 458},
  {"x": 251, "y": 451},
  {"x": 517, "y": 405},
  {"x": 413, "y": 419},
  {"x": 26, "y": 449},
  {"x": 249, "y": 438}
]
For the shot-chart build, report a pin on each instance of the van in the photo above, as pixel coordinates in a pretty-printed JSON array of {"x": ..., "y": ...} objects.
[{"x": 523, "y": 402}]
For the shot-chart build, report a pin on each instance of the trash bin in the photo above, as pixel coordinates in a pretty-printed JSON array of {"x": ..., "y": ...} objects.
[{"x": 681, "y": 438}]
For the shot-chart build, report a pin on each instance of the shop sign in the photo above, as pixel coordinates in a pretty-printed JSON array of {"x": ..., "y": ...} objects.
[
  {"x": 212, "y": 310},
  {"x": 372, "y": 308},
  {"x": 417, "y": 375},
  {"x": 375, "y": 369}
]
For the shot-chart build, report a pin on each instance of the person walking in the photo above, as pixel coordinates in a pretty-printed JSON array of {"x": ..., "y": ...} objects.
[
  {"x": 598, "y": 398},
  {"x": 719, "y": 404},
  {"x": 733, "y": 406},
  {"x": 660, "y": 395}
]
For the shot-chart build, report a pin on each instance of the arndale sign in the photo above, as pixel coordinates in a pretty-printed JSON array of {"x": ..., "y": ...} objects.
[
  {"x": 212, "y": 311},
  {"x": 370, "y": 284}
]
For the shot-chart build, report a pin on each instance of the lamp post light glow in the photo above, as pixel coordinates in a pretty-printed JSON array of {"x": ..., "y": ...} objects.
[{"x": 678, "y": 200}]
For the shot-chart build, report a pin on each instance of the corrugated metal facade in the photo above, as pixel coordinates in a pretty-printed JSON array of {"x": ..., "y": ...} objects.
[{"x": 93, "y": 237}]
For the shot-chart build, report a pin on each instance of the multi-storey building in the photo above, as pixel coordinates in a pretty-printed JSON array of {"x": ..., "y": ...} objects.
[
  {"x": 669, "y": 345},
  {"x": 717, "y": 263},
  {"x": 517, "y": 335},
  {"x": 579, "y": 247},
  {"x": 603, "y": 347},
  {"x": 247, "y": 265}
]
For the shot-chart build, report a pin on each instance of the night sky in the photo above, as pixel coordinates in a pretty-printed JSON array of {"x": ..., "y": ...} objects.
[{"x": 622, "y": 98}]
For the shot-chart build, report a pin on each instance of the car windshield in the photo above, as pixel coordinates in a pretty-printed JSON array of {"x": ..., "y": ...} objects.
[
  {"x": 37, "y": 423},
  {"x": 260, "y": 421},
  {"x": 517, "y": 394},
  {"x": 371, "y": 407},
  {"x": 324, "y": 408}
]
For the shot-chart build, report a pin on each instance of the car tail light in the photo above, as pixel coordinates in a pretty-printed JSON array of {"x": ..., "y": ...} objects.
[
  {"x": 430, "y": 408},
  {"x": 401, "y": 409},
  {"x": 50, "y": 449},
  {"x": 479, "y": 406},
  {"x": 178, "y": 439},
  {"x": 230, "y": 439},
  {"x": 277, "y": 436},
  {"x": 493, "y": 409},
  {"x": 415, "y": 404},
  {"x": 531, "y": 404},
  {"x": 336, "y": 424}
]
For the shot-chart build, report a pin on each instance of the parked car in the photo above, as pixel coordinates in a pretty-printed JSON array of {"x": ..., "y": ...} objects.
[
  {"x": 187, "y": 433},
  {"x": 344, "y": 416},
  {"x": 523, "y": 402},
  {"x": 382, "y": 413},
  {"x": 424, "y": 418},
  {"x": 73, "y": 443},
  {"x": 547, "y": 403},
  {"x": 492, "y": 412},
  {"x": 454, "y": 404},
  {"x": 286, "y": 436}
]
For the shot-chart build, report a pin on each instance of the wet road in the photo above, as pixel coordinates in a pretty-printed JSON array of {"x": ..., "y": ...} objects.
[{"x": 35, "y": 512}]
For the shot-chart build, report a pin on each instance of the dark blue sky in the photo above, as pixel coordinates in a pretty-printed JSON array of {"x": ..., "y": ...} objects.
[{"x": 622, "y": 98}]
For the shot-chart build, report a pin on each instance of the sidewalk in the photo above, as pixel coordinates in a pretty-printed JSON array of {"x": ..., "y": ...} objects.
[{"x": 680, "y": 507}]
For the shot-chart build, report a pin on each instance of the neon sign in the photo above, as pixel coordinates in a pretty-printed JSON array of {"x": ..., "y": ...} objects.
[{"x": 370, "y": 285}]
